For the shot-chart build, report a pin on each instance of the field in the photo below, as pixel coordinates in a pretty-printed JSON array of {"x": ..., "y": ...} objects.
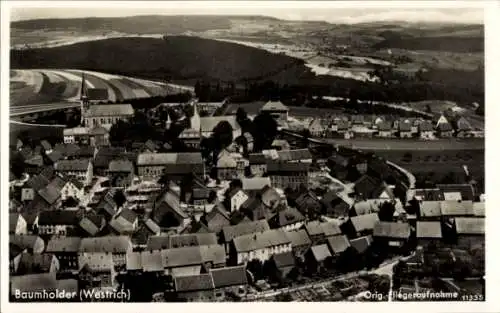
[
  {"x": 381, "y": 145},
  {"x": 35, "y": 132},
  {"x": 42, "y": 86}
]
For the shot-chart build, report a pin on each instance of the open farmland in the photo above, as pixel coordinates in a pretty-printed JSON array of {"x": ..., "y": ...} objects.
[
  {"x": 381, "y": 145},
  {"x": 42, "y": 86}
]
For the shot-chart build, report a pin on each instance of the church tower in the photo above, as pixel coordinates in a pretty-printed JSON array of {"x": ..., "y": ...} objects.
[
  {"x": 168, "y": 123},
  {"x": 195, "y": 119},
  {"x": 85, "y": 103}
]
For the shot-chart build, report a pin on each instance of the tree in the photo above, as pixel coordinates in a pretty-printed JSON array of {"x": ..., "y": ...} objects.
[
  {"x": 386, "y": 211},
  {"x": 222, "y": 135},
  {"x": 256, "y": 268},
  {"x": 119, "y": 198},
  {"x": 243, "y": 120},
  {"x": 17, "y": 165},
  {"x": 265, "y": 131}
]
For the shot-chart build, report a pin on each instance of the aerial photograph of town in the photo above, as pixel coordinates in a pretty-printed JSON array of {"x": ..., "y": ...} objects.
[{"x": 259, "y": 155}]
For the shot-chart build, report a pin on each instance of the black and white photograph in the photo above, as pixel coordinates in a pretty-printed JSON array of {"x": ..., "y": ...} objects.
[{"x": 215, "y": 152}]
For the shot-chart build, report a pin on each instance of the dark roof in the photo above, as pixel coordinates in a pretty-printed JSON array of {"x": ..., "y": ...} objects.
[
  {"x": 384, "y": 126},
  {"x": 470, "y": 225},
  {"x": 37, "y": 182},
  {"x": 260, "y": 240},
  {"x": 97, "y": 94},
  {"x": 24, "y": 241},
  {"x": 128, "y": 215},
  {"x": 327, "y": 229},
  {"x": 106, "y": 244},
  {"x": 120, "y": 166},
  {"x": 284, "y": 259},
  {"x": 392, "y": 230},
  {"x": 320, "y": 252},
  {"x": 229, "y": 276},
  {"x": 365, "y": 222},
  {"x": 67, "y": 149},
  {"x": 294, "y": 155},
  {"x": 194, "y": 283},
  {"x": 287, "y": 216},
  {"x": 361, "y": 243},
  {"x": 184, "y": 256},
  {"x": 214, "y": 253},
  {"x": 58, "y": 218},
  {"x": 234, "y": 231},
  {"x": 425, "y": 126},
  {"x": 106, "y": 154},
  {"x": 34, "y": 263},
  {"x": 278, "y": 168},
  {"x": 255, "y": 209},
  {"x": 404, "y": 127},
  {"x": 13, "y": 218},
  {"x": 366, "y": 186},
  {"x": 46, "y": 145},
  {"x": 338, "y": 244},
  {"x": 34, "y": 282},
  {"x": 444, "y": 127},
  {"x": 433, "y": 194},
  {"x": 299, "y": 238}
]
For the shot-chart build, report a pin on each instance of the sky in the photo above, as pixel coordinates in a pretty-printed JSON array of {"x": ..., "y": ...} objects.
[{"x": 323, "y": 11}]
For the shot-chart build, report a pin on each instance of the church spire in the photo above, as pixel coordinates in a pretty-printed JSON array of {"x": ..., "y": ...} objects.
[{"x": 83, "y": 89}]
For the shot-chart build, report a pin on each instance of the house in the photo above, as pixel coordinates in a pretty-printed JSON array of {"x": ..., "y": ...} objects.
[
  {"x": 479, "y": 209},
  {"x": 318, "y": 232},
  {"x": 65, "y": 250},
  {"x": 425, "y": 130},
  {"x": 317, "y": 258},
  {"x": 216, "y": 219},
  {"x": 282, "y": 263},
  {"x": 259, "y": 245},
  {"x": 384, "y": 130},
  {"x": 308, "y": 203},
  {"x": 111, "y": 249},
  {"x": 72, "y": 188},
  {"x": 337, "y": 244},
  {"x": 470, "y": 231},
  {"x": 191, "y": 138},
  {"x": 51, "y": 194},
  {"x": 195, "y": 288},
  {"x": 300, "y": 242},
  {"x": 15, "y": 254},
  {"x": 176, "y": 165},
  {"x": 145, "y": 230},
  {"x": 104, "y": 156},
  {"x": 101, "y": 276},
  {"x": 276, "y": 109},
  {"x": 295, "y": 156},
  {"x": 361, "y": 244},
  {"x": 452, "y": 208},
  {"x": 405, "y": 129},
  {"x": 150, "y": 262},
  {"x": 17, "y": 224},
  {"x": 98, "y": 136},
  {"x": 270, "y": 197},
  {"x": 287, "y": 218},
  {"x": 466, "y": 190},
  {"x": 428, "y": 194},
  {"x": 430, "y": 210},
  {"x": 233, "y": 231},
  {"x": 124, "y": 222},
  {"x": 227, "y": 167},
  {"x": 30, "y": 243},
  {"x": 59, "y": 223},
  {"x": 393, "y": 233},
  {"x": 184, "y": 261},
  {"x": 288, "y": 175},
  {"x": 120, "y": 173},
  {"x": 230, "y": 281},
  {"x": 235, "y": 197},
  {"x": 79, "y": 169},
  {"x": 33, "y": 283},
  {"x": 76, "y": 135},
  {"x": 444, "y": 130},
  {"x": 37, "y": 264},
  {"x": 258, "y": 164},
  {"x": 255, "y": 209},
  {"x": 317, "y": 127},
  {"x": 463, "y": 127},
  {"x": 92, "y": 224},
  {"x": 360, "y": 225},
  {"x": 255, "y": 184},
  {"x": 105, "y": 114},
  {"x": 46, "y": 146},
  {"x": 336, "y": 204},
  {"x": 213, "y": 256},
  {"x": 428, "y": 232},
  {"x": 280, "y": 144},
  {"x": 168, "y": 213}
]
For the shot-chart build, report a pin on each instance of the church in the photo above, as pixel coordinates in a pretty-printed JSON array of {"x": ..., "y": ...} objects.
[
  {"x": 95, "y": 113},
  {"x": 202, "y": 127}
]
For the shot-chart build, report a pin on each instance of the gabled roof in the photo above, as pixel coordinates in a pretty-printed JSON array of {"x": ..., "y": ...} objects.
[
  {"x": 284, "y": 259},
  {"x": 121, "y": 166},
  {"x": 193, "y": 283},
  {"x": 34, "y": 263},
  {"x": 133, "y": 261},
  {"x": 213, "y": 253},
  {"x": 287, "y": 216},
  {"x": 294, "y": 155},
  {"x": 255, "y": 183},
  {"x": 429, "y": 194},
  {"x": 63, "y": 244},
  {"x": 430, "y": 208},
  {"x": 479, "y": 209},
  {"x": 110, "y": 110},
  {"x": 229, "y": 276},
  {"x": 81, "y": 165},
  {"x": 320, "y": 252},
  {"x": 115, "y": 244},
  {"x": 257, "y": 158},
  {"x": 13, "y": 220},
  {"x": 46, "y": 145},
  {"x": 425, "y": 126},
  {"x": 274, "y": 106},
  {"x": 184, "y": 256},
  {"x": 470, "y": 225},
  {"x": 233, "y": 231},
  {"x": 33, "y": 282},
  {"x": 429, "y": 229},
  {"x": 456, "y": 208},
  {"x": 384, "y": 126},
  {"x": 338, "y": 244},
  {"x": 283, "y": 169},
  {"x": 326, "y": 229},
  {"x": 392, "y": 230},
  {"x": 299, "y": 238},
  {"x": 151, "y": 261},
  {"x": 24, "y": 241},
  {"x": 260, "y": 240},
  {"x": 364, "y": 222},
  {"x": 404, "y": 127},
  {"x": 58, "y": 218},
  {"x": 465, "y": 189},
  {"x": 361, "y": 244}
]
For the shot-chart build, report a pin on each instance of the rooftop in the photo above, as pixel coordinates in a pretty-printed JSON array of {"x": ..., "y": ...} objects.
[{"x": 260, "y": 240}]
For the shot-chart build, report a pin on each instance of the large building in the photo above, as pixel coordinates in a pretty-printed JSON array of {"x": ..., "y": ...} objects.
[{"x": 94, "y": 113}]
